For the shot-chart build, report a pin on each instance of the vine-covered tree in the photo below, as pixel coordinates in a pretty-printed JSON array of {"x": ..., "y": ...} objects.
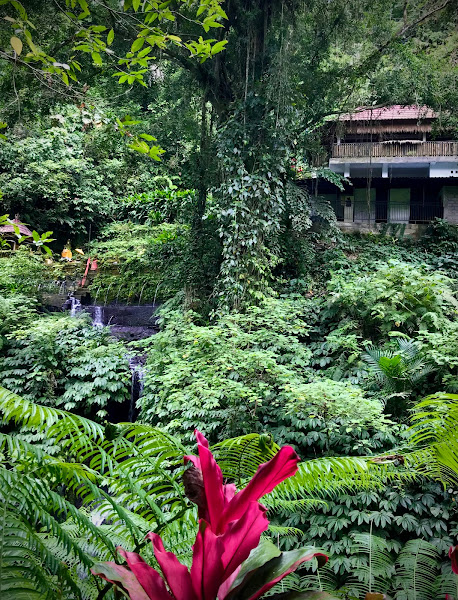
[{"x": 267, "y": 75}]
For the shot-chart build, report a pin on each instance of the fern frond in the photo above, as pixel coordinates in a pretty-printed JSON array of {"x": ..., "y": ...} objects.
[
  {"x": 417, "y": 568},
  {"x": 373, "y": 565}
]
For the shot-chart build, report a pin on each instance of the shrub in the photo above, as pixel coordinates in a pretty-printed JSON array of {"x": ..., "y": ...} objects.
[
  {"x": 21, "y": 273},
  {"x": 224, "y": 377},
  {"x": 140, "y": 261},
  {"x": 396, "y": 297},
  {"x": 65, "y": 362},
  {"x": 251, "y": 372},
  {"x": 333, "y": 418}
]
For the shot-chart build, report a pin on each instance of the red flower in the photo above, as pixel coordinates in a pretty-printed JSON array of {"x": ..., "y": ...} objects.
[{"x": 227, "y": 554}]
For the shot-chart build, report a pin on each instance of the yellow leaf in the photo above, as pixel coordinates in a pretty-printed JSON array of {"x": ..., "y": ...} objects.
[{"x": 17, "y": 44}]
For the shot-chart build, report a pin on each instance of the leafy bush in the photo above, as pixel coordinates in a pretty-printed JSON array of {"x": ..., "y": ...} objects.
[
  {"x": 65, "y": 362},
  {"x": 396, "y": 515},
  {"x": 15, "y": 311},
  {"x": 441, "y": 347},
  {"x": 333, "y": 418},
  {"x": 251, "y": 372},
  {"x": 224, "y": 377},
  {"x": 396, "y": 297},
  {"x": 140, "y": 261},
  {"x": 21, "y": 272},
  {"x": 169, "y": 205}
]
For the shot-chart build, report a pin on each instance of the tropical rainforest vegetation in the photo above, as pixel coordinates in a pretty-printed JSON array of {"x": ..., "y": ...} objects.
[{"x": 177, "y": 148}]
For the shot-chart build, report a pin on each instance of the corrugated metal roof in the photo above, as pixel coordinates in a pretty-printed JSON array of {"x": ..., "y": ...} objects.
[
  {"x": 391, "y": 113},
  {"x": 24, "y": 230}
]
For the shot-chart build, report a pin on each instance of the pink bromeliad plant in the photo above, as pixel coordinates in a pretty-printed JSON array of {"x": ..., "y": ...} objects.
[{"x": 229, "y": 559}]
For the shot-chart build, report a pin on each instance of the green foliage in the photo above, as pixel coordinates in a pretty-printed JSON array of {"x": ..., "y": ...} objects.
[
  {"x": 224, "y": 378},
  {"x": 332, "y": 418},
  {"x": 140, "y": 261},
  {"x": 441, "y": 238},
  {"x": 375, "y": 574},
  {"x": 65, "y": 362},
  {"x": 441, "y": 347},
  {"x": 396, "y": 297},
  {"x": 417, "y": 571},
  {"x": 434, "y": 423},
  {"x": 47, "y": 178},
  {"x": 15, "y": 310},
  {"x": 399, "y": 373},
  {"x": 21, "y": 272},
  {"x": 396, "y": 514},
  {"x": 127, "y": 475},
  {"x": 397, "y": 370},
  {"x": 250, "y": 372},
  {"x": 152, "y": 208}
]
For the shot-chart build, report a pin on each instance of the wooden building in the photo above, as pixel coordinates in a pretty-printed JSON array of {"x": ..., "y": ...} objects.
[{"x": 398, "y": 170}]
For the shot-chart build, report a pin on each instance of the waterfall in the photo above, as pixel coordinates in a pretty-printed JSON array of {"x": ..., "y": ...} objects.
[
  {"x": 136, "y": 387},
  {"x": 98, "y": 316},
  {"x": 75, "y": 306}
]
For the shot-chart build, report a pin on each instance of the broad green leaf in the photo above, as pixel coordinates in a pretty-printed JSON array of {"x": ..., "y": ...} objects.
[
  {"x": 137, "y": 44},
  {"x": 16, "y": 44},
  {"x": 218, "y": 46},
  {"x": 147, "y": 137},
  {"x": 96, "y": 58},
  {"x": 264, "y": 552},
  {"x": 268, "y": 570},
  {"x": 110, "y": 37}
]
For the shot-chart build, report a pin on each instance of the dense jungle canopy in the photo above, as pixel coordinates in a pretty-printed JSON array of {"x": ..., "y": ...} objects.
[{"x": 165, "y": 159}]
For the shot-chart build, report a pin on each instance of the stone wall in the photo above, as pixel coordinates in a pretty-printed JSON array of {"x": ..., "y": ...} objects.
[
  {"x": 450, "y": 201},
  {"x": 411, "y": 230}
]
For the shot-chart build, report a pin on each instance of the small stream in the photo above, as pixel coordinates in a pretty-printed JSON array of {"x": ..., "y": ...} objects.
[
  {"x": 136, "y": 366},
  {"x": 97, "y": 319},
  {"x": 128, "y": 323}
]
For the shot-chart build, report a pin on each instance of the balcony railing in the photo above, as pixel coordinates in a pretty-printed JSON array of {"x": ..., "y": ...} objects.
[{"x": 394, "y": 149}]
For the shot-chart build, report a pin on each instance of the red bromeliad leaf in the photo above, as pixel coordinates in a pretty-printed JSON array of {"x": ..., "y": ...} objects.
[
  {"x": 207, "y": 567},
  {"x": 229, "y": 562},
  {"x": 213, "y": 481},
  {"x": 264, "y": 552},
  {"x": 265, "y": 567},
  {"x": 175, "y": 574},
  {"x": 304, "y": 596},
  {"x": 148, "y": 578},
  {"x": 127, "y": 581},
  {"x": 269, "y": 475},
  {"x": 242, "y": 536},
  {"x": 453, "y": 555},
  {"x": 222, "y": 504}
]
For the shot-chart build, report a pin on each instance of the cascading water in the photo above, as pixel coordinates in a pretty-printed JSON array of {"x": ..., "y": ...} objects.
[
  {"x": 98, "y": 316},
  {"x": 75, "y": 306},
  {"x": 136, "y": 387}
]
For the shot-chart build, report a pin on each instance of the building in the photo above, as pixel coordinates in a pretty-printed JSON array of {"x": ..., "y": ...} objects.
[
  {"x": 397, "y": 172},
  {"x": 8, "y": 232}
]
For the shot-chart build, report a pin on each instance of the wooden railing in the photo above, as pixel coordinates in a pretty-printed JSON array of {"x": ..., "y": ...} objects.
[{"x": 394, "y": 149}]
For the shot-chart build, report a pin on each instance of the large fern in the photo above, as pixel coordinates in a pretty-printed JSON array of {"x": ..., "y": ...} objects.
[
  {"x": 127, "y": 475},
  {"x": 398, "y": 371},
  {"x": 435, "y": 429},
  {"x": 417, "y": 571},
  {"x": 126, "y": 480}
]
